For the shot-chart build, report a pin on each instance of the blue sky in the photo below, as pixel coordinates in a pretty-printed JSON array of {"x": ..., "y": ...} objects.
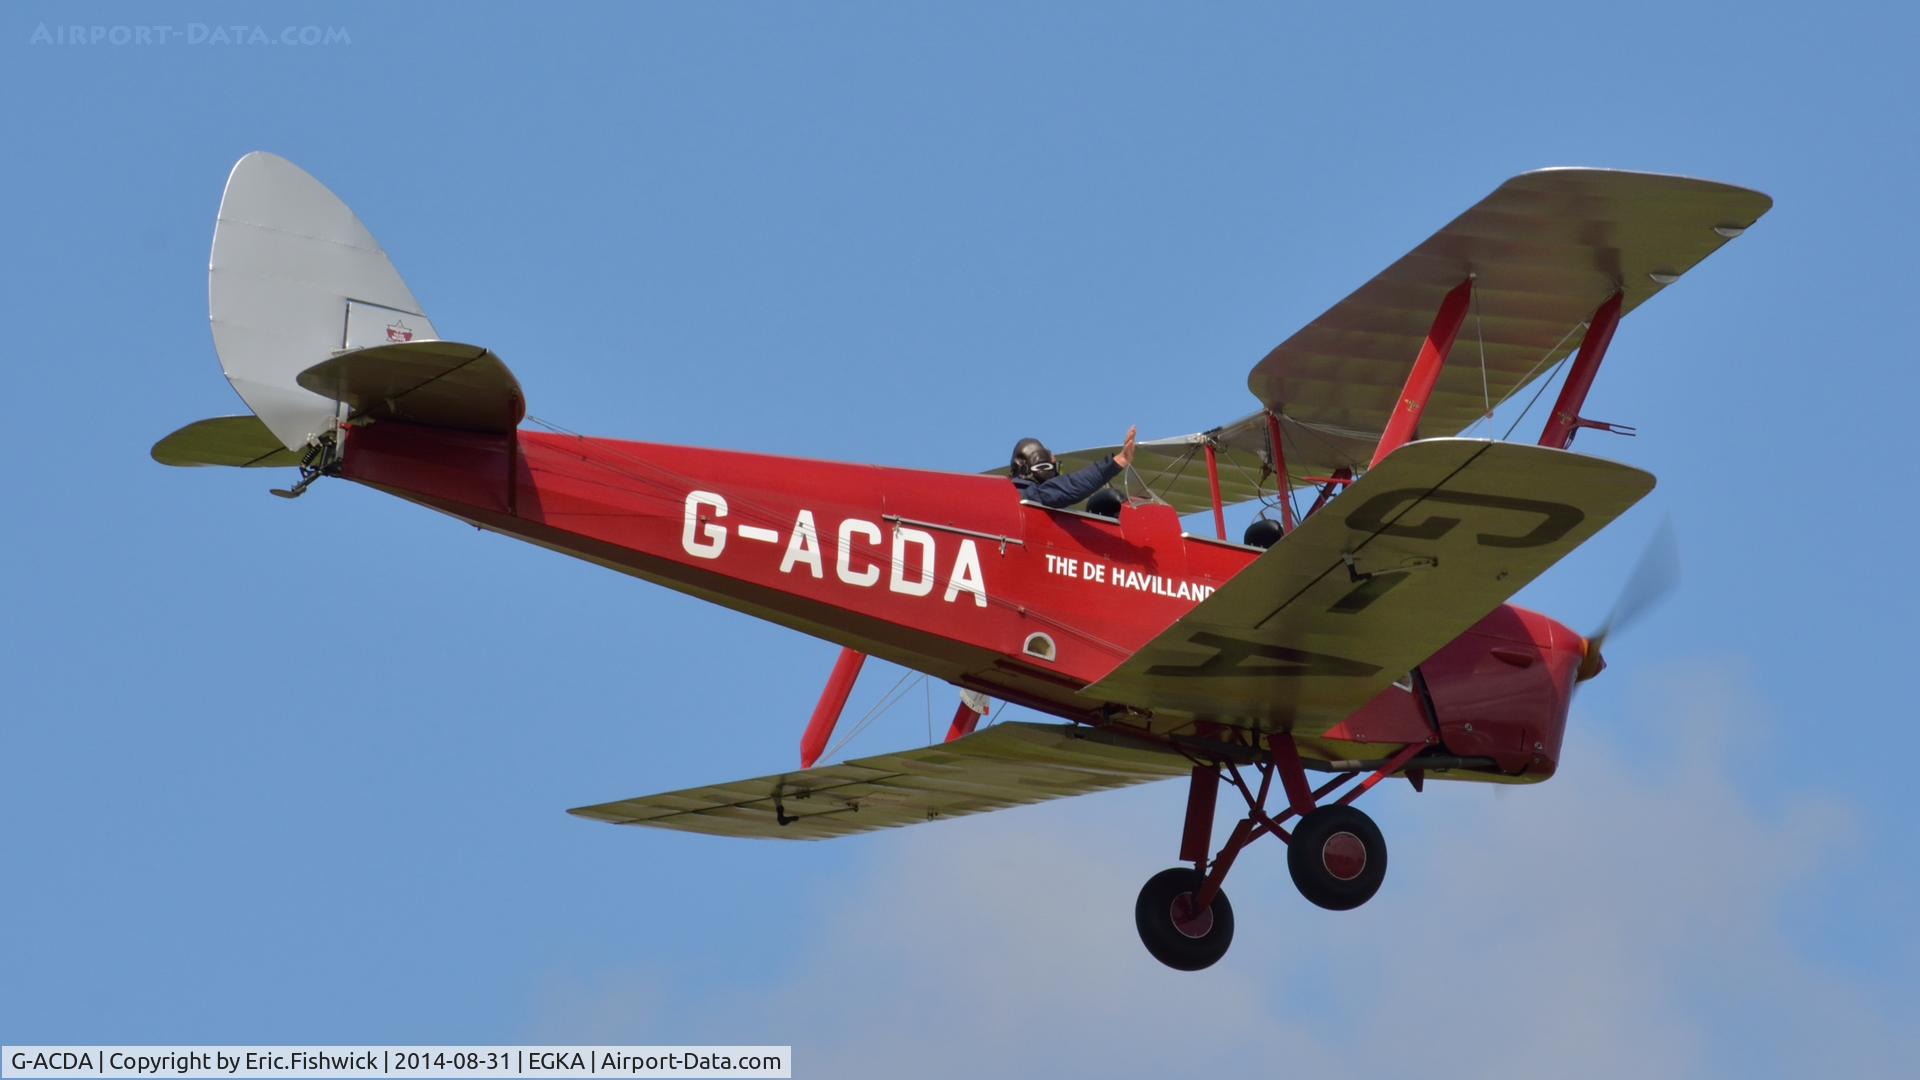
[{"x": 294, "y": 772}]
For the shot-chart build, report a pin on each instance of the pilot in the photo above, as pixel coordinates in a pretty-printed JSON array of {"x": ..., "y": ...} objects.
[{"x": 1036, "y": 475}]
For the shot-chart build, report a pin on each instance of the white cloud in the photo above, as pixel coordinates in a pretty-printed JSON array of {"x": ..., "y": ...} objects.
[{"x": 1623, "y": 919}]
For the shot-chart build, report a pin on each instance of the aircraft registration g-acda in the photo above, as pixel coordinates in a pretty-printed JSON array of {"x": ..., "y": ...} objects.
[{"x": 1367, "y": 637}]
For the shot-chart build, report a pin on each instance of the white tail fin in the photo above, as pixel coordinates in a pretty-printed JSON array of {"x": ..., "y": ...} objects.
[{"x": 295, "y": 278}]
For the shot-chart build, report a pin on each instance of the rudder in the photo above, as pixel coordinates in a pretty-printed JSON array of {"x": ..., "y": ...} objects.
[{"x": 294, "y": 279}]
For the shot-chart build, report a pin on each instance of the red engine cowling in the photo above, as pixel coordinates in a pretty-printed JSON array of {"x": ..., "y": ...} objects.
[{"x": 1501, "y": 690}]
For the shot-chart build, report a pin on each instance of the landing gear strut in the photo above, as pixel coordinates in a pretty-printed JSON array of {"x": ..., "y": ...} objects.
[
  {"x": 1336, "y": 854},
  {"x": 322, "y": 458}
]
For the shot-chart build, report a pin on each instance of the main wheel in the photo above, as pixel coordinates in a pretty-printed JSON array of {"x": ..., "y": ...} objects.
[
  {"x": 1177, "y": 935},
  {"x": 1337, "y": 858}
]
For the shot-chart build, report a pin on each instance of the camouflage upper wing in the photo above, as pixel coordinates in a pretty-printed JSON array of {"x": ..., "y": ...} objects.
[{"x": 1545, "y": 249}]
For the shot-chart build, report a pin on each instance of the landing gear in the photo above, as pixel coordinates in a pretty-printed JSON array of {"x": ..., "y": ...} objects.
[
  {"x": 1337, "y": 858},
  {"x": 322, "y": 458},
  {"x": 1336, "y": 854},
  {"x": 1179, "y": 933}
]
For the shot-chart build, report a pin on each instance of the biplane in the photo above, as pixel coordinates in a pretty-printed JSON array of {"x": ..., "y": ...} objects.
[{"x": 1359, "y": 636}]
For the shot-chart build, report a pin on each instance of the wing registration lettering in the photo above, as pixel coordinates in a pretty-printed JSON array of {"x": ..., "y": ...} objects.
[
  {"x": 1377, "y": 515},
  {"x": 1370, "y": 588},
  {"x": 1231, "y": 658}
]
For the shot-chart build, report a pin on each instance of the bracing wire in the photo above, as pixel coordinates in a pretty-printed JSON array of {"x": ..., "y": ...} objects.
[
  {"x": 1544, "y": 357},
  {"x": 892, "y": 697},
  {"x": 1178, "y": 467},
  {"x": 1544, "y": 383}
]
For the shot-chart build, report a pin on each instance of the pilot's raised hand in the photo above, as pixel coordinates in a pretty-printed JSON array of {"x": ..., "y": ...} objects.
[{"x": 1125, "y": 457}]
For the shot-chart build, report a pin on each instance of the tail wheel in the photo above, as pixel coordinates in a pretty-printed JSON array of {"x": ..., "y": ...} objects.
[
  {"x": 1337, "y": 858},
  {"x": 1177, "y": 935}
]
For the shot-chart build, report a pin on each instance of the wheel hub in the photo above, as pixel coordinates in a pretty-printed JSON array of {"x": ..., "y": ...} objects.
[
  {"x": 1344, "y": 855},
  {"x": 1190, "y": 923}
]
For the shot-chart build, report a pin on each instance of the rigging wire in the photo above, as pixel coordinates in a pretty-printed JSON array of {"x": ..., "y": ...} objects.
[
  {"x": 1544, "y": 383},
  {"x": 1181, "y": 462},
  {"x": 1544, "y": 357},
  {"x": 1285, "y": 481},
  {"x": 1132, "y": 473},
  {"x": 887, "y": 701},
  {"x": 1252, "y": 481},
  {"x": 1334, "y": 454}
]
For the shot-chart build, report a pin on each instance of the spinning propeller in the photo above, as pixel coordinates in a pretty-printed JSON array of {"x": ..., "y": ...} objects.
[{"x": 1652, "y": 579}]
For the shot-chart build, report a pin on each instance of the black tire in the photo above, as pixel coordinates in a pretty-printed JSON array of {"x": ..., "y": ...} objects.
[
  {"x": 1263, "y": 533},
  {"x": 1181, "y": 949},
  {"x": 1337, "y": 858},
  {"x": 1106, "y": 502}
]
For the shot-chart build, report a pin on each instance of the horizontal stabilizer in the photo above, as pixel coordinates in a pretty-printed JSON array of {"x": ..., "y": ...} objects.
[
  {"x": 1005, "y": 765},
  {"x": 1419, "y": 549},
  {"x": 240, "y": 441},
  {"x": 437, "y": 383}
]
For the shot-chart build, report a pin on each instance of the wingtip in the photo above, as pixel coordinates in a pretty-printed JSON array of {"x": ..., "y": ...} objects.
[{"x": 1574, "y": 173}]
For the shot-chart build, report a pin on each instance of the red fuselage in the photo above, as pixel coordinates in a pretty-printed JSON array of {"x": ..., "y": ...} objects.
[{"x": 943, "y": 573}]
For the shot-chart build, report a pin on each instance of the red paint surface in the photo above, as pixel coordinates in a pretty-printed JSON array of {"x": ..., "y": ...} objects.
[
  {"x": 1344, "y": 856},
  {"x": 1564, "y": 420},
  {"x": 1282, "y": 481},
  {"x": 1426, "y": 371},
  {"x": 964, "y": 721},
  {"x": 1213, "y": 487},
  {"x": 1203, "y": 790},
  {"x": 833, "y": 700},
  {"x": 626, "y": 505}
]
